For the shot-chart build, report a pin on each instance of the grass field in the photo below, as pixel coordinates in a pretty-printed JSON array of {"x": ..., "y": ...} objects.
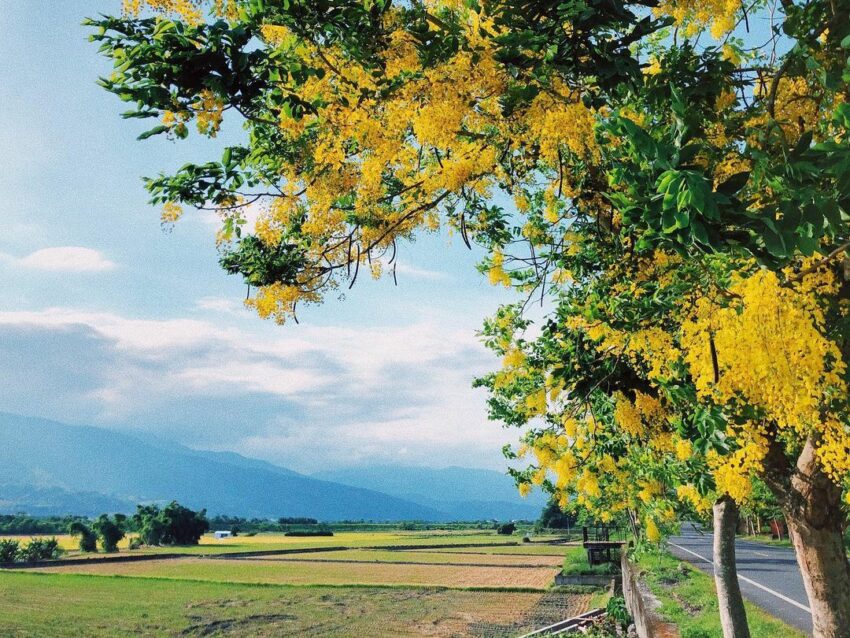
[
  {"x": 490, "y": 590},
  {"x": 47, "y": 605},
  {"x": 575, "y": 564},
  {"x": 271, "y": 541},
  {"x": 322, "y": 572},
  {"x": 689, "y": 600}
]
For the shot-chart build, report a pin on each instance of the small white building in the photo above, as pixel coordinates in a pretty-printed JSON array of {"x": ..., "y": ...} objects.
[{"x": 222, "y": 534}]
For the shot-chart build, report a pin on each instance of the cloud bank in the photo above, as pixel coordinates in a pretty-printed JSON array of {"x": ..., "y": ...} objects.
[
  {"x": 307, "y": 397},
  {"x": 64, "y": 259}
]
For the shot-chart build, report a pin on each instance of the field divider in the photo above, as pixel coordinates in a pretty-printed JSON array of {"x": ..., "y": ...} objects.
[
  {"x": 64, "y": 562},
  {"x": 400, "y": 562}
]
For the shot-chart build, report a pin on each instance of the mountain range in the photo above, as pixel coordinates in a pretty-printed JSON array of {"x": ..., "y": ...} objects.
[
  {"x": 53, "y": 468},
  {"x": 462, "y": 493}
]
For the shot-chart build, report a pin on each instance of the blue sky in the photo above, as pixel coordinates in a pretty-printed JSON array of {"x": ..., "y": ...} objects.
[{"x": 107, "y": 320}]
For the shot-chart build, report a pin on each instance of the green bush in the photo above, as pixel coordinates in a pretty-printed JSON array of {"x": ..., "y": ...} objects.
[
  {"x": 88, "y": 539},
  {"x": 40, "y": 549},
  {"x": 110, "y": 530},
  {"x": 9, "y": 550},
  {"x": 617, "y": 611}
]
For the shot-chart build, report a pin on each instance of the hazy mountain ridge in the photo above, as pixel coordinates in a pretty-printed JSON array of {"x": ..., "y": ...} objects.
[
  {"x": 46, "y": 454},
  {"x": 463, "y": 493},
  {"x": 52, "y": 468}
]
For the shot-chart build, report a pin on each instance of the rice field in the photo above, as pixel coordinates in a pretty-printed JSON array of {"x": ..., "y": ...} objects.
[
  {"x": 48, "y": 605},
  {"x": 276, "y": 541},
  {"x": 524, "y": 549},
  {"x": 425, "y": 556},
  {"x": 476, "y": 584},
  {"x": 322, "y": 573}
]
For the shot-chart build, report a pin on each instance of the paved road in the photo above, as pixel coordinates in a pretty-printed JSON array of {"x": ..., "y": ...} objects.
[{"x": 769, "y": 576}]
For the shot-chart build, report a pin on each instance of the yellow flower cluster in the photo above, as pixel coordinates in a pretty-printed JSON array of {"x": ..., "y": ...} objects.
[
  {"x": 689, "y": 493},
  {"x": 797, "y": 109},
  {"x": 733, "y": 472},
  {"x": 496, "y": 274},
  {"x": 695, "y": 15},
  {"x": 653, "y": 535},
  {"x": 208, "y": 113},
  {"x": 768, "y": 350},
  {"x": 171, "y": 212},
  {"x": 652, "y": 346},
  {"x": 644, "y": 415},
  {"x": 562, "y": 122},
  {"x": 277, "y": 301},
  {"x": 833, "y": 450},
  {"x": 189, "y": 10}
]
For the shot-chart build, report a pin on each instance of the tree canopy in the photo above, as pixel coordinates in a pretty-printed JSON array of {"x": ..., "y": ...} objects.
[{"x": 173, "y": 524}]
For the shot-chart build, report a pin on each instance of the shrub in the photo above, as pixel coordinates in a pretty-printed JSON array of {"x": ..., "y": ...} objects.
[
  {"x": 40, "y": 549},
  {"x": 88, "y": 539},
  {"x": 617, "y": 611},
  {"x": 9, "y": 550},
  {"x": 110, "y": 530},
  {"x": 506, "y": 529},
  {"x": 135, "y": 543}
]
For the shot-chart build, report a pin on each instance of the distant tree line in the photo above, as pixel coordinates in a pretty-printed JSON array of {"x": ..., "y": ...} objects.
[
  {"x": 240, "y": 525},
  {"x": 26, "y": 524}
]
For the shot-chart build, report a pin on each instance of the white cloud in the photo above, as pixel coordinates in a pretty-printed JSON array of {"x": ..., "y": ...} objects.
[
  {"x": 225, "y": 305},
  {"x": 66, "y": 259},
  {"x": 403, "y": 268},
  {"x": 304, "y": 396}
]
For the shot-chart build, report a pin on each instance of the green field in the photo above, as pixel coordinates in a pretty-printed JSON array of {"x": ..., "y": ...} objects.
[
  {"x": 489, "y": 590},
  {"x": 37, "y": 604},
  {"x": 277, "y": 541}
]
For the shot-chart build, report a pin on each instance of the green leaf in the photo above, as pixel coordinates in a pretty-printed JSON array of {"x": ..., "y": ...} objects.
[
  {"x": 699, "y": 232},
  {"x": 774, "y": 243},
  {"x": 734, "y": 183},
  {"x": 154, "y": 131}
]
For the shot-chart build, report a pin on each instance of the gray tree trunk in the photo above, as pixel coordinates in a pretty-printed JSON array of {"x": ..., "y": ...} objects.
[
  {"x": 733, "y": 616},
  {"x": 811, "y": 503}
]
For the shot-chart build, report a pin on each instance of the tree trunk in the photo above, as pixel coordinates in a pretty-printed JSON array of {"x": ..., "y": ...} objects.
[
  {"x": 733, "y": 616},
  {"x": 811, "y": 503}
]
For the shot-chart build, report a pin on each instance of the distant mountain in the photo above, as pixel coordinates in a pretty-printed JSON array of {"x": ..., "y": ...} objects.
[
  {"x": 462, "y": 493},
  {"x": 54, "y": 501},
  {"x": 43, "y": 460}
]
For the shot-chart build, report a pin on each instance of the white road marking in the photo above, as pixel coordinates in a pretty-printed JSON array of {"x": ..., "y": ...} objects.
[{"x": 751, "y": 582}]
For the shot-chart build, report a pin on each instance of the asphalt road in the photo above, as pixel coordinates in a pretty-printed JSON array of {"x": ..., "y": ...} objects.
[{"x": 769, "y": 576}]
